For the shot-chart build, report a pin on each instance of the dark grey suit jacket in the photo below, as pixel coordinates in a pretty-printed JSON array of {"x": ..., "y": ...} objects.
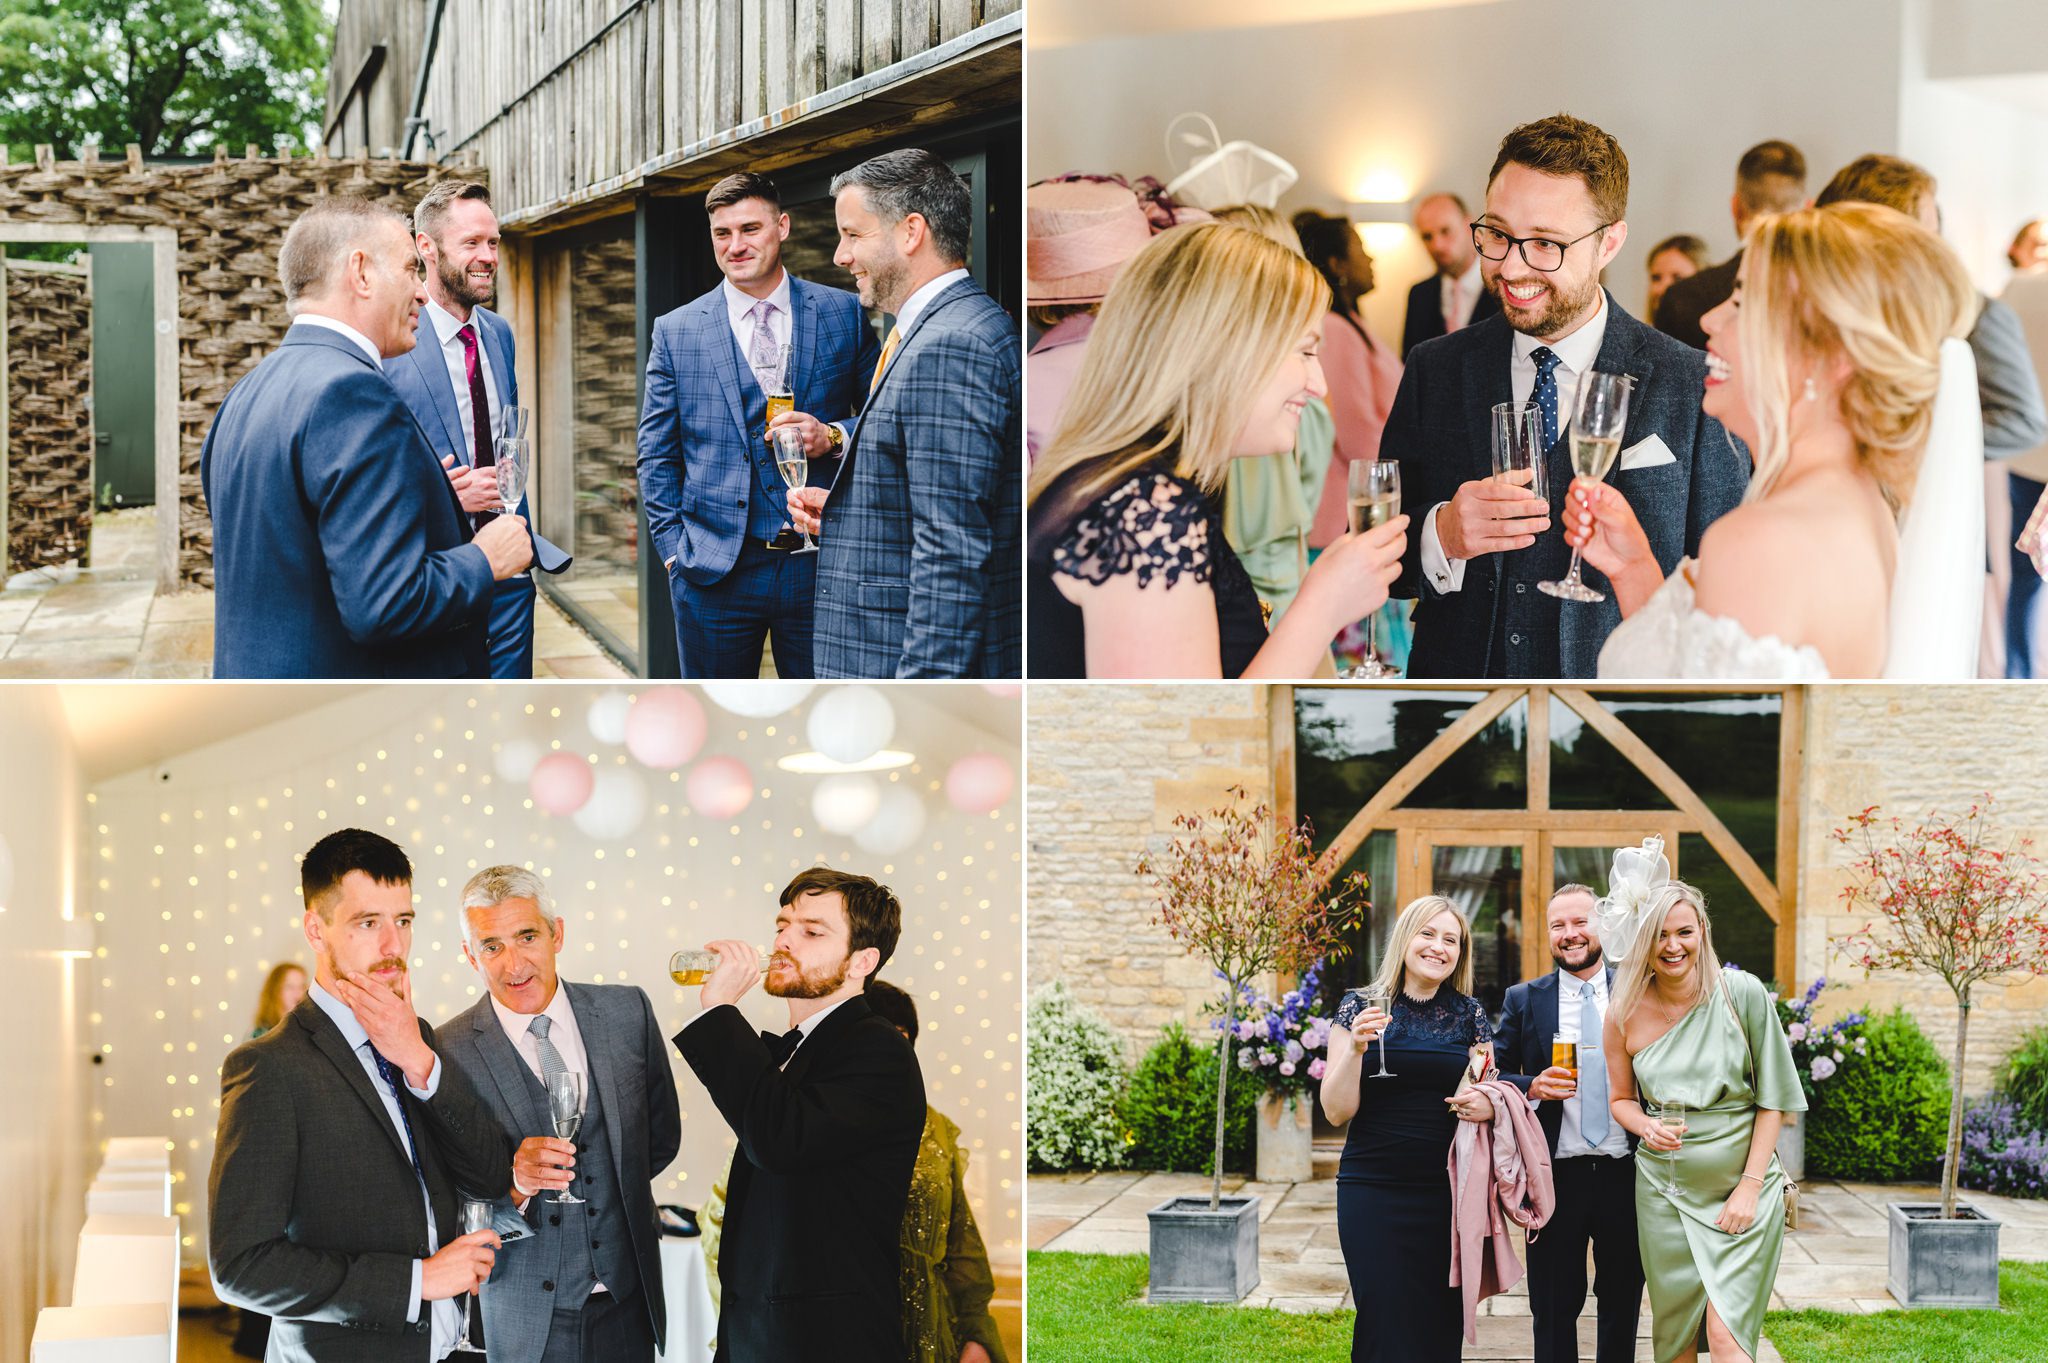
[
  {"x": 630, "y": 1075},
  {"x": 315, "y": 1208},
  {"x": 1440, "y": 432},
  {"x": 1689, "y": 300}
]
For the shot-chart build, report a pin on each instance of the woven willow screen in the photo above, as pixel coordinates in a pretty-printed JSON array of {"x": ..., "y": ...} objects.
[{"x": 49, "y": 420}]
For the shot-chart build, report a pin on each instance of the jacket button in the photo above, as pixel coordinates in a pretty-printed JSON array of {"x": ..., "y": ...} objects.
[
  {"x": 595, "y": 1243},
  {"x": 547, "y": 1285},
  {"x": 1520, "y": 588},
  {"x": 555, "y": 1220},
  {"x": 1514, "y": 638},
  {"x": 591, "y": 1210}
]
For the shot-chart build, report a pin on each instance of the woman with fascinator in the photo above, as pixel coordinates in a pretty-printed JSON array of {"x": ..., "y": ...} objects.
[{"x": 1700, "y": 1071}]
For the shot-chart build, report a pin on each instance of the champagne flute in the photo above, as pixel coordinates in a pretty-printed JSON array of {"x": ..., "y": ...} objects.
[
  {"x": 565, "y": 1106},
  {"x": 1599, "y": 416},
  {"x": 512, "y": 463},
  {"x": 795, "y": 467},
  {"x": 1377, "y": 996},
  {"x": 1372, "y": 498},
  {"x": 694, "y": 966},
  {"x": 476, "y": 1216},
  {"x": 1672, "y": 1115}
]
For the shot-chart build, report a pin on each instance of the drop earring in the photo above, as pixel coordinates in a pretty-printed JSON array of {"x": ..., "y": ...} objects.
[{"x": 1811, "y": 394}]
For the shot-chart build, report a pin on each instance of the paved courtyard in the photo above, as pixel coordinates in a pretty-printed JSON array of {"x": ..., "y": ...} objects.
[
  {"x": 107, "y": 620},
  {"x": 1835, "y": 1260}
]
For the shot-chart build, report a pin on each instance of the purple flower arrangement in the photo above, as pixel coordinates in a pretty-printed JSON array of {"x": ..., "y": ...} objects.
[
  {"x": 2000, "y": 1155},
  {"x": 1282, "y": 1042},
  {"x": 1819, "y": 1052}
]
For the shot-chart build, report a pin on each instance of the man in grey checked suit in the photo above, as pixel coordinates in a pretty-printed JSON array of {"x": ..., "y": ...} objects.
[
  {"x": 918, "y": 571},
  {"x": 586, "y": 1284},
  {"x": 344, "y": 1142}
]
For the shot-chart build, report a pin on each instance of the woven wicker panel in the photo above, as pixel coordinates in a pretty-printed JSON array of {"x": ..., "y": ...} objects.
[
  {"x": 230, "y": 218},
  {"x": 607, "y": 405},
  {"x": 49, "y": 417}
]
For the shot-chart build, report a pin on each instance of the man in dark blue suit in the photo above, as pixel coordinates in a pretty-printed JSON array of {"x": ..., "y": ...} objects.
[
  {"x": 737, "y": 570},
  {"x": 1589, "y": 1152},
  {"x": 919, "y": 575},
  {"x": 1556, "y": 203},
  {"x": 339, "y": 548},
  {"x": 459, "y": 380},
  {"x": 1455, "y": 295}
]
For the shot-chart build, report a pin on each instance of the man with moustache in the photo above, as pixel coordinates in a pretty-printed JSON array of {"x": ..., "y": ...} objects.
[
  {"x": 1590, "y": 1154},
  {"x": 586, "y": 1285},
  {"x": 919, "y": 571},
  {"x": 737, "y": 576},
  {"x": 828, "y": 1117},
  {"x": 1454, "y": 296},
  {"x": 339, "y": 548},
  {"x": 459, "y": 382},
  {"x": 344, "y": 1143},
  {"x": 1556, "y": 202}
]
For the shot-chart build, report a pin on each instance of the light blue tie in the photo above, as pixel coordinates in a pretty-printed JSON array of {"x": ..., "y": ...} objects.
[
  {"x": 551, "y": 1062},
  {"x": 1545, "y": 392},
  {"x": 1592, "y": 1071}
]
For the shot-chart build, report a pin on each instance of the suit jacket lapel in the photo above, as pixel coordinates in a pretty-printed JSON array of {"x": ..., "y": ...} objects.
[
  {"x": 508, "y": 1072},
  {"x": 441, "y": 388},
  {"x": 603, "y": 1072},
  {"x": 335, "y": 1047},
  {"x": 845, "y": 1015},
  {"x": 725, "y": 360},
  {"x": 803, "y": 335},
  {"x": 497, "y": 334},
  {"x": 948, "y": 296},
  {"x": 1544, "y": 987}
]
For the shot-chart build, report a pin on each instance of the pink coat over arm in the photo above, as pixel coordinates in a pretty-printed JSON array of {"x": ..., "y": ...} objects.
[{"x": 1496, "y": 1167}]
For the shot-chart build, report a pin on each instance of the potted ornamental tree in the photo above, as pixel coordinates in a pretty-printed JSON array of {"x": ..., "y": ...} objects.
[
  {"x": 1244, "y": 893},
  {"x": 1968, "y": 903}
]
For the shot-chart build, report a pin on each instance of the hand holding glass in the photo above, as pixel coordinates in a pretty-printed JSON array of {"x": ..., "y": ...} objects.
[
  {"x": 694, "y": 966},
  {"x": 795, "y": 467},
  {"x": 1372, "y": 498},
  {"x": 1383, "y": 1000},
  {"x": 1518, "y": 444},
  {"x": 1599, "y": 416},
  {"x": 476, "y": 1216},
  {"x": 565, "y": 1106}
]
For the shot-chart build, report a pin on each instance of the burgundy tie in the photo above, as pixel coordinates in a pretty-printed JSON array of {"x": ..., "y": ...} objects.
[{"x": 479, "y": 410}]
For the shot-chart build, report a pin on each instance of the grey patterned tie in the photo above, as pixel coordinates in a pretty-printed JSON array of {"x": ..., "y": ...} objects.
[
  {"x": 551, "y": 1062},
  {"x": 764, "y": 356},
  {"x": 1592, "y": 1071}
]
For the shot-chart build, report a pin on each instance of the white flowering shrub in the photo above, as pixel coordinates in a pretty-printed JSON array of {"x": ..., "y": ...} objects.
[{"x": 1074, "y": 1077}]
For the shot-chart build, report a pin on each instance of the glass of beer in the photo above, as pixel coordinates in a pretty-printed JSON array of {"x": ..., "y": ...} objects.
[
  {"x": 695, "y": 966},
  {"x": 781, "y": 397},
  {"x": 1564, "y": 1054},
  {"x": 1372, "y": 498},
  {"x": 1599, "y": 416}
]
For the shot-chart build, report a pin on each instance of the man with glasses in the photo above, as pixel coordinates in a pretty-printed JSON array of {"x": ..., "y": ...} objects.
[{"x": 1556, "y": 204}]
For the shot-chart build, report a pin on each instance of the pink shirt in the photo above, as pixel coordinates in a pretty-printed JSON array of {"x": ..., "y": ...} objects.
[
  {"x": 1362, "y": 383},
  {"x": 1049, "y": 374}
]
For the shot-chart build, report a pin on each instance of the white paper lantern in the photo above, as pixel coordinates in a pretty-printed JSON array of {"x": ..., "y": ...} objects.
[
  {"x": 758, "y": 699},
  {"x": 516, "y": 759},
  {"x": 851, "y": 723},
  {"x": 897, "y": 825},
  {"x": 845, "y": 802},
  {"x": 607, "y": 718},
  {"x": 617, "y": 804},
  {"x": 719, "y": 787}
]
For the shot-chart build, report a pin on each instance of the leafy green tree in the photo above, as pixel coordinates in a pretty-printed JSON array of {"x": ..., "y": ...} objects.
[{"x": 175, "y": 77}]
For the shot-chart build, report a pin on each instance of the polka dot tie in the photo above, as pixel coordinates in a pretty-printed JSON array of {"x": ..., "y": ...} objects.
[{"x": 1545, "y": 392}]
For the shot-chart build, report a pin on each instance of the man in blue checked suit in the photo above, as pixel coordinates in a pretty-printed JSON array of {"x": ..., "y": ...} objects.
[
  {"x": 715, "y": 503},
  {"x": 919, "y": 573},
  {"x": 459, "y": 380},
  {"x": 339, "y": 549}
]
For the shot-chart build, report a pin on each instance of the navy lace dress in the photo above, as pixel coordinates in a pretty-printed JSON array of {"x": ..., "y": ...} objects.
[
  {"x": 1393, "y": 1188},
  {"x": 1157, "y": 525}
]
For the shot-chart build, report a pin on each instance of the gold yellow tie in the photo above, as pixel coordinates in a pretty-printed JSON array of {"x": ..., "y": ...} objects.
[{"x": 888, "y": 349}]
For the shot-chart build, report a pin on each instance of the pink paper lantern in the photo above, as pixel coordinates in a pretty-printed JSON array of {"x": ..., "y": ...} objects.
[
  {"x": 561, "y": 783},
  {"x": 980, "y": 783},
  {"x": 720, "y": 787},
  {"x": 1004, "y": 690},
  {"x": 665, "y": 728}
]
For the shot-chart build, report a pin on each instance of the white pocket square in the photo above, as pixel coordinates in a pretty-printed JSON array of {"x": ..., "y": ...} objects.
[{"x": 1647, "y": 454}]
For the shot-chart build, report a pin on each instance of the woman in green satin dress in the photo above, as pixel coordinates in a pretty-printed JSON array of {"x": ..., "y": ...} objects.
[{"x": 1683, "y": 1030}]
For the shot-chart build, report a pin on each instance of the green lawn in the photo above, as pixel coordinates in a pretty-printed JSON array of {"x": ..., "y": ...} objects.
[
  {"x": 2019, "y": 1331},
  {"x": 1088, "y": 1308}
]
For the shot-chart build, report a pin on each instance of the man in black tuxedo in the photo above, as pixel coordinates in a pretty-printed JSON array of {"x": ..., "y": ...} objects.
[
  {"x": 1556, "y": 203},
  {"x": 1770, "y": 178},
  {"x": 1455, "y": 296},
  {"x": 828, "y": 1118},
  {"x": 1589, "y": 1152},
  {"x": 344, "y": 1143}
]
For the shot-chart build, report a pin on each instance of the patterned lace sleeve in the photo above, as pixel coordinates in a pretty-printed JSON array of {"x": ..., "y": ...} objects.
[
  {"x": 1153, "y": 525},
  {"x": 1482, "y": 1028},
  {"x": 1348, "y": 1008}
]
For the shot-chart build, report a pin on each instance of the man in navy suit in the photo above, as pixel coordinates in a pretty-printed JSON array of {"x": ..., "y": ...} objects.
[
  {"x": 1455, "y": 296},
  {"x": 458, "y": 382},
  {"x": 1589, "y": 1152},
  {"x": 339, "y": 548},
  {"x": 1556, "y": 203},
  {"x": 919, "y": 574},
  {"x": 738, "y": 573}
]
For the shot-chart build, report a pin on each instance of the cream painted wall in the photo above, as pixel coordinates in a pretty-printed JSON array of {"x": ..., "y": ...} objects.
[
  {"x": 44, "y": 1155},
  {"x": 193, "y": 866}
]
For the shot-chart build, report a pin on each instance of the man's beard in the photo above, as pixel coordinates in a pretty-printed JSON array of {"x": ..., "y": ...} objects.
[
  {"x": 401, "y": 984},
  {"x": 1593, "y": 953},
  {"x": 456, "y": 281},
  {"x": 1562, "y": 310},
  {"x": 885, "y": 284},
  {"x": 807, "y": 985}
]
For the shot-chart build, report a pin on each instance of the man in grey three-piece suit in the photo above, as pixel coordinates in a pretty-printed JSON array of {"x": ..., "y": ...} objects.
[
  {"x": 344, "y": 1143},
  {"x": 586, "y": 1283},
  {"x": 1555, "y": 207}
]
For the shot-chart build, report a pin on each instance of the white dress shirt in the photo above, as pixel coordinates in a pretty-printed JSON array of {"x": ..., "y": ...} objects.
[
  {"x": 314, "y": 319},
  {"x": 567, "y": 1039},
  {"x": 739, "y": 309},
  {"x": 1458, "y": 295},
  {"x": 448, "y": 1317},
  {"x": 920, "y": 300},
  {"x": 1570, "y": 992},
  {"x": 1575, "y": 354},
  {"x": 447, "y": 328}
]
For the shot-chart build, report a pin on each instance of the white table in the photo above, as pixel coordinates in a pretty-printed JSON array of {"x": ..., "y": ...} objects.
[
  {"x": 101, "y": 1334},
  {"x": 692, "y": 1315},
  {"x": 130, "y": 1192},
  {"x": 138, "y": 1152}
]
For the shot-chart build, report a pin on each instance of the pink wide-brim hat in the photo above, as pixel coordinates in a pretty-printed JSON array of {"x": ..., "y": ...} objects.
[{"x": 1078, "y": 235}]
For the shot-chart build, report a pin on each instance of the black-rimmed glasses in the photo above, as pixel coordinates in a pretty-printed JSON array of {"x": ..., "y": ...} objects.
[{"x": 1538, "y": 253}]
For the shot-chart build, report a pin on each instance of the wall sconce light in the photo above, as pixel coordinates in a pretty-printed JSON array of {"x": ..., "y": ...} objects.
[{"x": 1379, "y": 212}]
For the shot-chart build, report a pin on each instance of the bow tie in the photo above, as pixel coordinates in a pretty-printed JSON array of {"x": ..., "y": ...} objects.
[{"x": 782, "y": 1045}]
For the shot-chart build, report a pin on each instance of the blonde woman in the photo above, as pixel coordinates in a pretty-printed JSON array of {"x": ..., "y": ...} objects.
[
  {"x": 1851, "y": 555},
  {"x": 284, "y": 988},
  {"x": 1393, "y": 1200},
  {"x": 1205, "y": 351},
  {"x": 1701, "y": 1073}
]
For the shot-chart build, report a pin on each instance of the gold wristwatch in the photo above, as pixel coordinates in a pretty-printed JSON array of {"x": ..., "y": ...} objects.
[{"x": 834, "y": 437}]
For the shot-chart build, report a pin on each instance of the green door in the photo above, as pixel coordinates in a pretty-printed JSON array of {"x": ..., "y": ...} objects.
[{"x": 124, "y": 373}]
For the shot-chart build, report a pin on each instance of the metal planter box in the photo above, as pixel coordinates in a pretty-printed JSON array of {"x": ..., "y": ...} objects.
[
  {"x": 1200, "y": 1255},
  {"x": 1934, "y": 1262}
]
